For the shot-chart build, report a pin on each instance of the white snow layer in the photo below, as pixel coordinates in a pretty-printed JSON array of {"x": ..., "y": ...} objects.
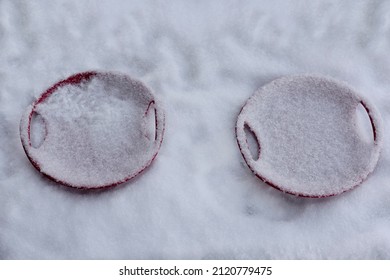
[
  {"x": 203, "y": 60},
  {"x": 308, "y": 138},
  {"x": 96, "y": 133}
]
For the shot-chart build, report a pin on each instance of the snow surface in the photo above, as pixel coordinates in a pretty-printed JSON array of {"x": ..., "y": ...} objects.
[
  {"x": 96, "y": 133},
  {"x": 308, "y": 137},
  {"x": 203, "y": 60}
]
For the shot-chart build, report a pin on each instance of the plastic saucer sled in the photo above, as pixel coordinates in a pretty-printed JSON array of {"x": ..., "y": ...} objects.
[
  {"x": 309, "y": 141},
  {"x": 93, "y": 130}
]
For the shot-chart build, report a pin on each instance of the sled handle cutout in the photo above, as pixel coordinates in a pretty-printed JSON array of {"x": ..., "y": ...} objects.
[
  {"x": 365, "y": 125},
  {"x": 252, "y": 142},
  {"x": 150, "y": 122},
  {"x": 37, "y": 130}
]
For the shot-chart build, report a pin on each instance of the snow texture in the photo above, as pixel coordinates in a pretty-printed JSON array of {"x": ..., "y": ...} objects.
[
  {"x": 308, "y": 136},
  {"x": 96, "y": 133},
  {"x": 202, "y": 60}
]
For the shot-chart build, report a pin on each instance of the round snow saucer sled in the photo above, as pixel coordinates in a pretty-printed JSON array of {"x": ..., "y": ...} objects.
[
  {"x": 301, "y": 135},
  {"x": 93, "y": 130}
]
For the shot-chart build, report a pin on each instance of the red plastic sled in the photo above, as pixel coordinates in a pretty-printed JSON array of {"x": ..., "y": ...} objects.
[
  {"x": 94, "y": 140},
  {"x": 308, "y": 141}
]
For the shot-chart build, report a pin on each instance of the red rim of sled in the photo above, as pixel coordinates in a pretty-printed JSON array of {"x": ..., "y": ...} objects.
[
  {"x": 25, "y": 127},
  {"x": 243, "y": 145}
]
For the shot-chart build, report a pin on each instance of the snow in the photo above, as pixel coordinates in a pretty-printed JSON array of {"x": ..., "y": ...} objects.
[
  {"x": 96, "y": 133},
  {"x": 203, "y": 60},
  {"x": 307, "y": 135}
]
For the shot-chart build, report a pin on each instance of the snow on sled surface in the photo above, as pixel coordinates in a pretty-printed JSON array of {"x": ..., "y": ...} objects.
[
  {"x": 99, "y": 130},
  {"x": 307, "y": 133},
  {"x": 202, "y": 60}
]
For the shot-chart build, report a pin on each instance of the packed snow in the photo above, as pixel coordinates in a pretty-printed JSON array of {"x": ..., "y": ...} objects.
[
  {"x": 308, "y": 136},
  {"x": 203, "y": 60}
]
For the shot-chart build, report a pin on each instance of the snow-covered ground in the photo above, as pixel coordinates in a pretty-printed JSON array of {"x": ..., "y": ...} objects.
[{"x": 202, "y": 59}]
